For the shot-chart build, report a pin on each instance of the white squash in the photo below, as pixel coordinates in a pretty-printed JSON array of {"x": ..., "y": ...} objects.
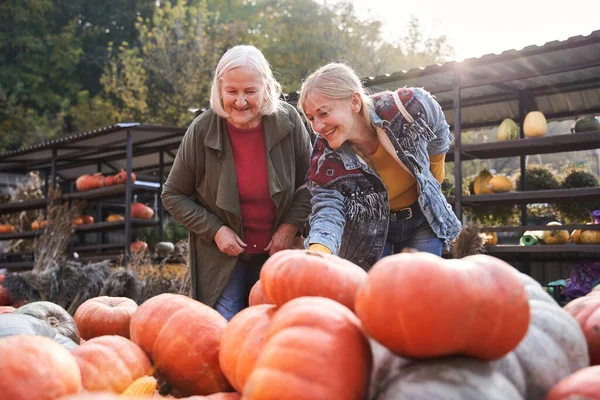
[{"x": 535, "y": 124}]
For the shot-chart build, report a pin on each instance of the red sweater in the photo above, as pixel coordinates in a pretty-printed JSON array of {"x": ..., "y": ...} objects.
[{"x": 257, "y": 207}]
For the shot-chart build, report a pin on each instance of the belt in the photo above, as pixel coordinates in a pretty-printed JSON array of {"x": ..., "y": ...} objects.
[{"x": 401, "y": 215}]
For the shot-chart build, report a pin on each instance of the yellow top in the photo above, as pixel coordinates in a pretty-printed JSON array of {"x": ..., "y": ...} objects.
[
  {"x": 319, "y": 247},
  {"x": 400, "y": 184}
]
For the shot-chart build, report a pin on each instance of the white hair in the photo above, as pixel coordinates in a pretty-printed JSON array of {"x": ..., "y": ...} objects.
[{"x": 246, "y": 56}]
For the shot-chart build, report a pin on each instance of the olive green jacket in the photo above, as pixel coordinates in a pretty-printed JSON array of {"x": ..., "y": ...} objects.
[{"x": 201, "y": 190}]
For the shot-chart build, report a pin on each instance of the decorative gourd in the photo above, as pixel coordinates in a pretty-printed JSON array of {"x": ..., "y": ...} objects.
[
  {"x": 500, "y": 184},
  {"x": 14, "y": 324},
  {"x": 315, "y": 350},
  {"x": 242, "y": 342},
  {"x": 39, "y": 224},
  {"x": 398, "y": 378},
  {"x": 575, "y": 236},
  {"x": 581, "y": 385},
  {"x": 508, "y": 130},
  {"x": 138, "y": 246},
  {"x": 115, "y": 217},
  {"x": 481, "y": 286},
  {"x": 535, "y": 124},
  {"x": 7, "y": 228},
  {"x": 586, "y": 310},
  {"x": 144, "y": 386},
  {"x": 163, "y": 249},
  {"x": 553, "y": 348},
  {"x": 36, "y": 367},
  {"x": 294, "y": 273},
  {"x": 257, "y": 295},
  {"x": 88, "y": 182},
  {"x": 111, "y": 363},
  {"x": 105, "y": 315},
  {"x": 140, "y": 210},
  {"x": 54, "y": 316},
  {"x": 589, "y": 236},
  {"x": 481, "y": 182},
  {"x": 491, "y": 238},
  {"x": 182, "y": 337},
  {"x": 555, "y": 236},
  {"x": 586, "y": 124},
  {"x": 121, "y": 178}
]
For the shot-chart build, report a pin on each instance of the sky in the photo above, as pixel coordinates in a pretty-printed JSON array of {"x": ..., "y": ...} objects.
[{"x": 475, "y": 28}]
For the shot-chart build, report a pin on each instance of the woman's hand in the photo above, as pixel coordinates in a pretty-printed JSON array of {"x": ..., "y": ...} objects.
[
  {"x": 229, "y": 242},
  {"x": 282, "y": 239}
]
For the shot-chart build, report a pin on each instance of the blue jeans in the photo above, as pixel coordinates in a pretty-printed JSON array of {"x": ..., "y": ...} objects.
[
  {"x": 414, "y": 233},
  {"x": 235, "y": 295}
]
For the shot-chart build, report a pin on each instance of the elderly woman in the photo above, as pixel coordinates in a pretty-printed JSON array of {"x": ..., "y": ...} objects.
[{"x": 237, "y": 182}]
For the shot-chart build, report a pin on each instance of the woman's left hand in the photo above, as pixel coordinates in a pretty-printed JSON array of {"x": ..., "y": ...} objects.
[{"x": 282, "y": 239}]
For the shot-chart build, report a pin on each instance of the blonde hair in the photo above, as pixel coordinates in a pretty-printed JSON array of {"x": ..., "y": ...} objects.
[
  {"x": 336, "y": 81},
  {"x": 246, "y": 56}
]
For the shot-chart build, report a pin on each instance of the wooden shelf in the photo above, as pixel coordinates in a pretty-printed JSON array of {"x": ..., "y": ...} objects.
[
  {"x": 20, "y": 235},
  {"x": 537, "y": 196},
  {"x": 17, "y": 266},
  {"x": 114, "y": 225},
  {"x": 545, "y": 252},
  {"x": 107, "y": 192},
  {"x": 96, "y": 247},
  {"x": 567, "y": 227},
  {"x": 528, "y": 146}
]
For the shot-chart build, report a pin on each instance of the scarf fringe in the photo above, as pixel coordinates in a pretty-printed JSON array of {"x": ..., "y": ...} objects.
[{"x": 366, "y": 207}]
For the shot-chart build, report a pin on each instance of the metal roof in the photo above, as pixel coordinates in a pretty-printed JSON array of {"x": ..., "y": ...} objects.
[
  {"x": 83, "y": 153},
  {"x": 560, "y": 78}
]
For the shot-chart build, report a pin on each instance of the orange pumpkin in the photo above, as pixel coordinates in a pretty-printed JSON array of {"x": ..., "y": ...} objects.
[
  {"x": 39, "y": 224},
  {"x": 7, "y": 228},
  {"x": 257, "y": 295},
  {"x": 586, "y": 310},
  {"x": 36, "y": 367},
  {"x": 121, "y": 177},
  {"x": 115, "y": 217},
  {"x": 315, "y": 349},
  {"x": 182, "y": 337},
  {"x": 139, "y": 246},
  {"x": 583, "y": 384},
  {"x": 88, "y": 182},
  {"x": 475, "y": 306},
  {"x": 140, "y": 210},
  {"x": 111, "y": 363},
  {"x": 242, "y": 342},
  {"x": 105, "y": 315},
  {"x": 294, "y": 273}
]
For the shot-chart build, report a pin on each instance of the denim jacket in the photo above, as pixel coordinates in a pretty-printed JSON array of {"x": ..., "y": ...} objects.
[{"x": 350, "y": 205}]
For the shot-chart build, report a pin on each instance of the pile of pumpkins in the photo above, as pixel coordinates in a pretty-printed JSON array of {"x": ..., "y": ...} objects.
[
  {"x": 534, "y": 125},
  {"x": 88, "y": 182},
  {"x": 415, "y": 327}
]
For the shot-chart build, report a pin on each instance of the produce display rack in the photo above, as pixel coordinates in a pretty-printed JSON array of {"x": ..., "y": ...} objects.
[
  {"x": 146, "y": 150},
  {"x": 561, "y": 79}
]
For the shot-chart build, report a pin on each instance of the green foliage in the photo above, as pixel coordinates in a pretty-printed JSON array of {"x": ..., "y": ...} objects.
[{"x": 577, "y": 212}]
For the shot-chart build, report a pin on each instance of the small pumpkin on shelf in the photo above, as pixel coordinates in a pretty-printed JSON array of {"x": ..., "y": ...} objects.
[
  {"x": 89, "y": 182},
  {"x": 500, "y": 184},
  {"x": 39, "y": 224},
  {"x": 535, "y": 124},
  {"x": 559, "y": 236},
  {"x": 114, "y": 217},
  {"x": 491, "y": 238},
  {"x": 7, "y": 228},
  {"x": 481, "y": 182}
]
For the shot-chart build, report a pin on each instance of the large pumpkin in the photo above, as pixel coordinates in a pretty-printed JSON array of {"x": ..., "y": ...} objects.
[
  {"x": 54, "y": 316},
  {"x": 420, "y": 305},
  {"x": 581, "y": 385},
  {"x": 36, "y": 367},
  {"x": 105, "y": 315},
  {"x": 553, "y": 348},
  {"x": 242, "y": 342},
  {"x": 586, "y": 310},
  {"x": 111, "y": 363},
  {"x": 14, "y": 324},
  {"x": 294, "y": 273},
  {"x": 315, "y": 350},
  {"x": 182, "y": 337},
  {"x": 257, "y": 295},
  {"x": 88, "y": 182},
  {"x": 140, "y": 210},
  {"x": 460, "y": 378}
]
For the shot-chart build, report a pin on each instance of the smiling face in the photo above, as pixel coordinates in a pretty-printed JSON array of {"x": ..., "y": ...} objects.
[
  {"x": 335, "y": 120},
  {"x": 242, "y": 95}
]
